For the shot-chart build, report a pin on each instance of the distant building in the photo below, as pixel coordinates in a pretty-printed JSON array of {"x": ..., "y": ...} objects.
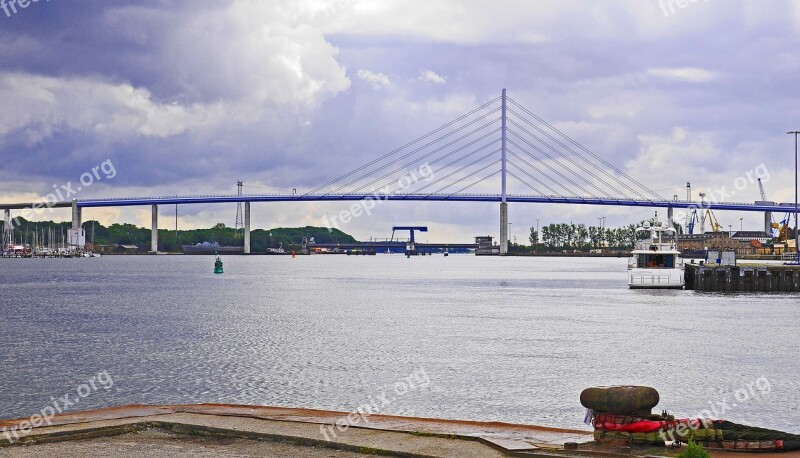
[
  {"x": 749, "y": 236},
  {"x": 117, "y": 249},
  {"x": 722, "y": 241},
  {"x": 486, "y": 247}
]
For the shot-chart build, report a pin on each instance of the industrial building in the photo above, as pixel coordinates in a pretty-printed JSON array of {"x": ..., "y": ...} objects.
[{"x": 742, "y": 242}]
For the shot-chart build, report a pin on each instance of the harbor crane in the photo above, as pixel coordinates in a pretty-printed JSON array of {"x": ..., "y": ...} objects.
[
  {"x": 410, "y": 229},
  {"x": 778, "y": 231},
  {"x": 411, "y": 249},
  {"x": 704, "y": 216},
  {"x": 761, "y": 189},
  {"x": 769, "y": 221},
  {"x": 715, "y": 225}
]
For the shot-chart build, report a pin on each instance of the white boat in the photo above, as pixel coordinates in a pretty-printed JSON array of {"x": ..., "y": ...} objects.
[{"x": 655, "y": 261}]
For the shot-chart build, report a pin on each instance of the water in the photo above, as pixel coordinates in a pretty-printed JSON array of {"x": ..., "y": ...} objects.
[{"x": 508, "y": 339}]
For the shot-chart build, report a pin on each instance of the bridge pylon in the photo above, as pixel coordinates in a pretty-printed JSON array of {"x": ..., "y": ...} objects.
[{"x": 503, "y": 203}]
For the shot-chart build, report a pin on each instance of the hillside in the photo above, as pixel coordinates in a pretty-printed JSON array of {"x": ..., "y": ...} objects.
[{"x": 129, "y": 234}]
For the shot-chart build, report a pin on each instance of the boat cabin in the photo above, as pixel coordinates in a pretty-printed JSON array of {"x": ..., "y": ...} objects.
[{"x": 655, "y": 260}]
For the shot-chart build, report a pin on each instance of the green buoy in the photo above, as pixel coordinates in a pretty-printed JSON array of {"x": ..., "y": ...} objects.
[{"x": 218, "y": 266}]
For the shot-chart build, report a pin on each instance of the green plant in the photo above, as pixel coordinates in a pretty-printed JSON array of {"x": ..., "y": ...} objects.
[{"x": 693, "y": 450}]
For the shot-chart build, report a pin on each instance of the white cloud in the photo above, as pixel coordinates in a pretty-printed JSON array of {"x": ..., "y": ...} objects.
[
  {"x": 431, "y": 76},
  {"x": 223, "y": 65},
  {"x": 377, "y": 80},
  {"x": 262, "y": 52},
  {"x": 40, "y": 106},
  {"x": 688, "y": 74}
]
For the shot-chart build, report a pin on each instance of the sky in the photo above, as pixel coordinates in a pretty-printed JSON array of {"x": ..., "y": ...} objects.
[{"x": 187, "y": 97}]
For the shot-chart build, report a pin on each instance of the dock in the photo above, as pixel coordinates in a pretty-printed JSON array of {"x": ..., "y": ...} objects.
[
  {"x": 758, "y": 278},
  {"x": 230, "y": 428}
]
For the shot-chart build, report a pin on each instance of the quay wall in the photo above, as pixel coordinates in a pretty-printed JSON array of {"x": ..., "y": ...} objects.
[{"x": 771, "y": 279}]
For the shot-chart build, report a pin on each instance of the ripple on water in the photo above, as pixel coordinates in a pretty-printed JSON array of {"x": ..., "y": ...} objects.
[{"x": 500, "y": 339}]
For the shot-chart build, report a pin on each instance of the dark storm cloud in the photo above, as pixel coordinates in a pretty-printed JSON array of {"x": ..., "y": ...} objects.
[{"x": 196, "y": 94}]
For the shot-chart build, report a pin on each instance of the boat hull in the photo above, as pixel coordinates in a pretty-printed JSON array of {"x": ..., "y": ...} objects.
[{"x": 655, "y": 278}]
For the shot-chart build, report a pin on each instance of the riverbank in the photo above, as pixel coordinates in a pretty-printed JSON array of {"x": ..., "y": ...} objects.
[{"x": 238, "y": 430}]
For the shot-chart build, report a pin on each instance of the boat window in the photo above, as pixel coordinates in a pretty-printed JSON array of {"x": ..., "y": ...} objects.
[{"x": 665, "y": 261}]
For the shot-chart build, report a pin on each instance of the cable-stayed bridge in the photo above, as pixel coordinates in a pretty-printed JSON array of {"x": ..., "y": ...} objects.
[{"x": 499, "y": 152}]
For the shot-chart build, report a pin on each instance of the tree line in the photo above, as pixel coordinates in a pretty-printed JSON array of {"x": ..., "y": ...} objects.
[
  {"x": 170, "y": 240},
  {"x": 581, "y": 236}
]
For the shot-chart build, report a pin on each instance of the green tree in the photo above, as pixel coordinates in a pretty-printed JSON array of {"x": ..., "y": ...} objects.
[{"x": 534, "y": 237}]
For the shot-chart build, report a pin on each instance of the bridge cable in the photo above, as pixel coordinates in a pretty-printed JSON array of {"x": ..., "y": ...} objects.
[
  {"x": 555, "y": 170},
  {"x": 625, "y": 175},
  {"x": 553, "y": 191},
  {"x": 458, "y": 159},
  {"x": 461, "y": 158},
  {"x": 435, "y": 131},
  {"x": 391, "y": 172},
  {"x": 394, "y": 161},
  {"x": 438, "y": 191},
  {"x": 497, "y": 140},
  {"x": 576, "y": 164},
  {"x": 479, "y": 181},
  {"x": 538, "y": 170},
  {"x": 525, "y": 182},
  {"x": 569, "y": 139},
  {"x": 554, "y": 160},
  {"x": 439, "y": 180},
  {"x": 453, "y": 162}
]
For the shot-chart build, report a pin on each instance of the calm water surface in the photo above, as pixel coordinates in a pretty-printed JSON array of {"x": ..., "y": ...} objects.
[{"x": 511, "y": 339}]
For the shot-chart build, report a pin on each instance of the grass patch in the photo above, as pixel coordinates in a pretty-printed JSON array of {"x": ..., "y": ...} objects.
[{"x": 693, "y": 450}]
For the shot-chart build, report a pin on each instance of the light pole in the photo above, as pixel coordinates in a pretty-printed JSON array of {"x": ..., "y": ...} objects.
[
  {"x": 602, "y": 221},
  {"x": 796, "y": 236},
  {"x": 741, "y": 224}
]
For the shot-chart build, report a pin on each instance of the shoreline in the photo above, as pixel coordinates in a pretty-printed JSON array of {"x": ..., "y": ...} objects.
[
  {"x": 362, "y": 433},
  {"x": 231, "y": 427}
]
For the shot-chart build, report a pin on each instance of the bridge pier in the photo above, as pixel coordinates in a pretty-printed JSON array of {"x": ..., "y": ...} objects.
[
  {"x": 76, "y": 215},
  {"x": 154, "y": 231},
  {"x": 768, "y": 223},
  {"x": 6, "y": 229},
  {"x": 247, "y": 228},
  {"x": 670, "y": 216},
  {"x": 504, "y": 229}
]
